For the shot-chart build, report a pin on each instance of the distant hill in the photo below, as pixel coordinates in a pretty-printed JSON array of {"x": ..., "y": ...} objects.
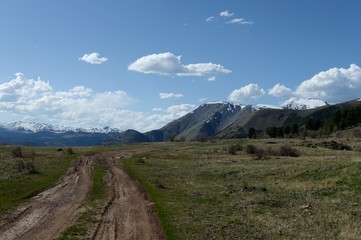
[
  {"x": 226, "y": 120},
  {"x": 39, "y": 134},
  {"x": 210, "y": 120}
]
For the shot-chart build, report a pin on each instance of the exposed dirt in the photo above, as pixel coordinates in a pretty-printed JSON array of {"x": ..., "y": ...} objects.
[
  {"x": 51, "y": 211},
  {"x": 127, "y": 215}
]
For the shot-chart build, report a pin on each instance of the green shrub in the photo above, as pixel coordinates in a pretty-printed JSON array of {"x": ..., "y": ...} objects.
[
  {"x": 17, "y": 152},
  {"x": 251, "y": 149},
  {"x": 288, "y": 151}
]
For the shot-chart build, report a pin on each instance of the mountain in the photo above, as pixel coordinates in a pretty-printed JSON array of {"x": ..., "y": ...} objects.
[
  {"x": 226, "y": 120},
  {"x": 207, "y": 120},
  {"x": 40, "y": 134},
  {"x": 304, "y": 103},
  {"x": 265, "y": 118}
]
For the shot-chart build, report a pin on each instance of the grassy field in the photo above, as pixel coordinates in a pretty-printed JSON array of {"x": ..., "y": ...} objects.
[
  {"x": 231, "y": 189},
  {"x": 22, "y": 177},
  {"x": 203, "y": 192}
]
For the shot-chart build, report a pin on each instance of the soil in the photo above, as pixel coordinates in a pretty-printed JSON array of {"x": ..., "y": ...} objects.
[{"x": 128, "y": 213}]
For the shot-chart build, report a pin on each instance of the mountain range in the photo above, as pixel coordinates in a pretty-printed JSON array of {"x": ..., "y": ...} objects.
[
  {"x": 41, "y": 134},
  {"x": 226, "y": 120},
  {"x": 211, "y": 120}
]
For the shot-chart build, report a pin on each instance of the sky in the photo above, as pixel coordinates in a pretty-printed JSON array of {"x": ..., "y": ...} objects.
[{"x": 140, "y": 64}]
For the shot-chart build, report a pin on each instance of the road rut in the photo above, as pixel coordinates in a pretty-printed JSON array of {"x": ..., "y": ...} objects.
[{"x": 128, "y": 213}]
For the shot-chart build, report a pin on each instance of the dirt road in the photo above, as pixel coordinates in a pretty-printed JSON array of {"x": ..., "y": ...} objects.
[{"x": 127, "y": 215}]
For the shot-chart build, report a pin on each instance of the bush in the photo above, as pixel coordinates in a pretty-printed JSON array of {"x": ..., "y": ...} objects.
[
  {"x": 234, "y": 148},
  {"x": 17, "y": 152},
  {"x": 260, "y": 153},
  {"x": 251, "y": 149},
  {"x": 69, "y": 151},
  {"x": 288, "y": 151}
]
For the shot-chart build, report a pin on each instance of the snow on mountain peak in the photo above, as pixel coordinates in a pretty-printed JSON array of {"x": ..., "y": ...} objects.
[
  {"x": 303, "y": 103},
  {"x": 33, "y": 127}
]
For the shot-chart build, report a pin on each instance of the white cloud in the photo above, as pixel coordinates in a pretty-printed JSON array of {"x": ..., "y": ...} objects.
[
  {"x": 279, "y": 90},
  {"x": 240, "y": 21},
  {"x": 93, "y": 58},
  {"x": 180, "y": 110},
  {"x": 157, "y": 109},
  {"x": 156, "y": 121},
  {"x": 212, "y": 79},
  {"x": 36, "y": 100},
  {"x": 202, "y": 100},
  {"x": 250, "y": 91},
  {"x": 210, "y": 19},
  {"x": 226, "y": 14},
  {"x": 170, "y": 95},
  {"x": 333, "y": 85},
  {"x": 170, "y": 64}
]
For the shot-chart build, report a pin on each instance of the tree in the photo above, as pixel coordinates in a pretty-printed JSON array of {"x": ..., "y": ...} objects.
[
  {"x": 287, "y": 130},
  {"x": 252, "y": 132},
  {"x": 172, "y": 136},
  {"x": 272, "y": 132},
  {"x": 294, "y": 129},
  {"x": 280, "y": 132}
]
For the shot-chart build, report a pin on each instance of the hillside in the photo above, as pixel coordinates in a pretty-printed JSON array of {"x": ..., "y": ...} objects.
[
  {"x": 226, "y": 120},
  {"x": 208, "y": 119},
  {"x": 39, "y": 134}
]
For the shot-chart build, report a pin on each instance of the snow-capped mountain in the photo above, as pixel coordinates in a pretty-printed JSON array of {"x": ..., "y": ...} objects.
[
  {"x": 42, "y": 134},
  {"x": 34, "y": 127},
  {"x": 304, "y": 103}
]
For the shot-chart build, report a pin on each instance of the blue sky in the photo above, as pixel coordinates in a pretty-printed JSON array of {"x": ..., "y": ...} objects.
[{"x": 142, "y": 63}]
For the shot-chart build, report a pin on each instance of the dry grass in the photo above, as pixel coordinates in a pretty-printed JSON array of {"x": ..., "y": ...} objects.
[{"x": 211, "y": 194}]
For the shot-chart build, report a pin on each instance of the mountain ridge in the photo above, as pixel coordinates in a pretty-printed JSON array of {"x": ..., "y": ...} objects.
[
  {"x": 227, "y": 120},
  {"x": 210, "y": 120}
]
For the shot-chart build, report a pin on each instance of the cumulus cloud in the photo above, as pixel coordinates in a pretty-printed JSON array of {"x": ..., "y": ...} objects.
[
  {"x": 170, "y": 64},
  {"x": 250, "y": 91},
  {"x": 212, "y": 79},
  {"x": 36, "y": 100},
  {"x": 226, "y": 14},
  {"x": 170, "y": 95},
  {"x": 28, "y": 98},
  {"x": 333, "y": 85},
  {"x": 210, "y": 19},
  {"x": 93, "y": 58},
  {"x": 240, "y": 21},
  {"x": 169, "y": 114},
  {"x": 281, "y": 91}
]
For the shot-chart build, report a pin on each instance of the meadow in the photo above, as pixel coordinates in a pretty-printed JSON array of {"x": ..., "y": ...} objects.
[
  {"x": 229, "y": 189},
  {"x": 202, "y": 191}
]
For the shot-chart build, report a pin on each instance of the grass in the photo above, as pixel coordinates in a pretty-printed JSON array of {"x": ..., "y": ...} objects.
[
  {"x": 202, "y": 192},
  {"x": 18, "y": 185}
]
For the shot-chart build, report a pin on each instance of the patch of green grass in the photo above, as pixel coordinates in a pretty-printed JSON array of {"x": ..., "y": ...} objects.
[
  {"x": 98, "y": 189},
  {"x": 202, "y": 193},
  {"x": 18, "y": 186}
]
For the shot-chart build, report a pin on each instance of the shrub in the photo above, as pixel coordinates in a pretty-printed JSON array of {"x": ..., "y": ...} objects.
[
  {"x": 17, "y": 152},
  {"x": 251, "y": 149},
  {"x": 260, "y": 153},
  {"x": 288, "y": 151},
  {"x": 69, "y": 151},
  {"x": 234, "y": 148}
]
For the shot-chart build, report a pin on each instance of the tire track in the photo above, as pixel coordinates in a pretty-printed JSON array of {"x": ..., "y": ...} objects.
[
  {"x": 50, "y": 212},
  {"x": 129, "y": 213}
]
